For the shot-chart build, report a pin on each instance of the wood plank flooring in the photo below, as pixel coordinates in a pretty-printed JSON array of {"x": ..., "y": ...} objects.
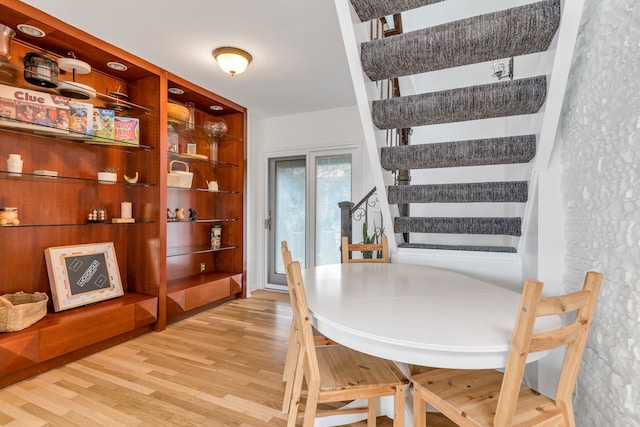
[{"x": 222, "y": 367}]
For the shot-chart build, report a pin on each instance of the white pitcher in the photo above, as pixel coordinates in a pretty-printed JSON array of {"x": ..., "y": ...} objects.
[
  {"x": 213, "y": 185},
  {"x": 14, "y": 164}
]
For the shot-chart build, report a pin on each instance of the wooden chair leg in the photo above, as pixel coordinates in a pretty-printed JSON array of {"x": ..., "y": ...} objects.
[
  {"x": 296, "y": 392},
  {"x": 419, "y": 409},
  {"x": 398, "y": 406},
  {"x": 372, "y": 413},
  {"x": 288, "y": 363},
  {"x": 289, "y": 386},
  {"x": 311, "y": 404},
  {"x": 289, "y": 369}
]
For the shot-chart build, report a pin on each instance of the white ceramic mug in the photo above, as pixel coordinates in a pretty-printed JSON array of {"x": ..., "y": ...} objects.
[
  {"x": 213, "y": 185},
  {"x": 14, "y": 164}
]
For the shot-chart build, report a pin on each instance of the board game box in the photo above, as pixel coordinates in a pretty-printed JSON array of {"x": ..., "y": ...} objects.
[
  {"x": 126, "y": 130},
  {"x": 103, "y": 124},
  {"x": 30, "y": 109},
  {"x": 81, "y": 119}
]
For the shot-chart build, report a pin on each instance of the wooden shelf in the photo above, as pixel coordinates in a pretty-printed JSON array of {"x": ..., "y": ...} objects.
[
  {"x": 213, "y": 163},
  {"x": 189, "y": 249},
  {"x": 192, "y": 292},
  {"x": 110, "y": 145},
  {"x": 60, "y": 179},
  {"x": 162, "y": 283},
  {"x": 22, "y": 225},
  {"x": 192, "y": 250},
  {"x": 60, "y": 333}
]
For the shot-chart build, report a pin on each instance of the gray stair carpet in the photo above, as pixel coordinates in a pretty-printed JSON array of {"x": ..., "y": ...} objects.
[
  {"x": 506, "y": 33},
  {"x": 510, "y": 226},
  {"x": 491, "y": 151},
  {"x": 504, "y": 249},
  {"x": 372, "y": 9},
  {"x": 474, "y": 192},
  {"x": 508, "y": 98}
]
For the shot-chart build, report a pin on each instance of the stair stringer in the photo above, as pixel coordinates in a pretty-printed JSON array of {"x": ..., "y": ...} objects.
[
  {"x": 565, "y": 43},
  {"x": 354, "y": 33}
]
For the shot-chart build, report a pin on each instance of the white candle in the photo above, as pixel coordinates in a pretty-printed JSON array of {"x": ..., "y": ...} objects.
[{"x": 125, "y": 210}]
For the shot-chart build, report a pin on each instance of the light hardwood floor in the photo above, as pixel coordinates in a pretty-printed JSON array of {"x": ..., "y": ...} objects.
[{"x": 222, "y": 367}]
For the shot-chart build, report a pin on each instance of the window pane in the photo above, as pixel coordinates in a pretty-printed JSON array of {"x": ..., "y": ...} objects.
[
  {"x": 290, "y": 178},
  {"x": 333, "y": 185}
]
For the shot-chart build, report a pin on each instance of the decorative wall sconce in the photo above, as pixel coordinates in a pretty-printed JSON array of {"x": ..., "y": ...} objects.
[
  {"x": 232, "y": 60},
  {"x": 502, "y": 71}
]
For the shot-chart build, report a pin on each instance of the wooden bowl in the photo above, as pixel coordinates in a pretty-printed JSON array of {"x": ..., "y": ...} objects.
[{"x": 177, "y": 113}]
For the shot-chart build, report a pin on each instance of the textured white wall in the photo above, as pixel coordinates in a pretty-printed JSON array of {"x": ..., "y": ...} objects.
[{"x": 601, "y": 191}]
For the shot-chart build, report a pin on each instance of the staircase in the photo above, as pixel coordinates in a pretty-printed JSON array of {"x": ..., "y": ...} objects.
[{"x": 475, "y": 155}]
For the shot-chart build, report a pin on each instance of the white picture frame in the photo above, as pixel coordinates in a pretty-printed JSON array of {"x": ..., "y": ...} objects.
[{"x": 82, "y": 274}]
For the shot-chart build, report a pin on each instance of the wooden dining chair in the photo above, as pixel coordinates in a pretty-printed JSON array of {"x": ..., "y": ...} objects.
[
  {"x": 294, "y": 345},
  {"x": 337, "y": 373},
  {"x": 490, "y": 398},
  {"x": 348, "y": 248}
]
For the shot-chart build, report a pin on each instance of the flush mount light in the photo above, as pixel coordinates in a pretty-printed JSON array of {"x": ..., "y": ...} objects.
[
  {"x": 30, "y": 30},
  {"x": 232, "y": 60},
  {"x": 216, "y": 107},
  {"x": 117, "y": 66},
  {"x": 175, "y": 91}
]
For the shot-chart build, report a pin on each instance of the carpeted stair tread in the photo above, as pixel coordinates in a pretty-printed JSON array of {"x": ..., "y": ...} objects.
[
  {"x": 491, "y": 151},
  {"x": 518, "y": 31},
  {"x": 508, "y": 98},
  {"x": 372, "y": 9},
  {"x": 474, "y": 192},
  {"x": 500, "y": 249},
  {"x": 510, "y": 226}
]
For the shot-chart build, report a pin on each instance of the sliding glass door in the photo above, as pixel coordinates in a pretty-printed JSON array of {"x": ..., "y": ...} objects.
[
  {"x": 304, "y": 192},
  {"x": 287, "y": 212},
  {"x": 332, "y": 185}
]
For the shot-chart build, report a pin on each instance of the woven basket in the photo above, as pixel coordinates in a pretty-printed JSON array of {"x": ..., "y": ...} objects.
[{"x": 20, "y": 310}]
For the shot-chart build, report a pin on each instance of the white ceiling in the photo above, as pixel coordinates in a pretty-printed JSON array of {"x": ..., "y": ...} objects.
[{"x": 299, "y": 64}]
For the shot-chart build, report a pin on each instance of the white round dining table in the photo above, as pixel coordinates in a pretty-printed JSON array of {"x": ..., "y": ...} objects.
[{"x": 415, "y": 314}]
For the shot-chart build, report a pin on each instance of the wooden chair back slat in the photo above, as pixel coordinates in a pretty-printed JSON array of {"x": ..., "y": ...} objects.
[
  {"x": 558, "y": 337},
  {"x": 563, "y": 304},
  {"x": 348, "y": 248}
]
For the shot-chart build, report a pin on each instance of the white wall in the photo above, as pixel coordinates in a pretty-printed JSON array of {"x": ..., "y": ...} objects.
[
  {"x": 287, "y": 135},
  {"x": 601, "y": 190}
]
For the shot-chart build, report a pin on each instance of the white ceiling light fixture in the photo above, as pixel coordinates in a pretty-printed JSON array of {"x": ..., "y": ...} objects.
[
  {"x": 118, "y": 66},
  {"x": 31, "y": 30},
  {"x": 232, "y": 60}
]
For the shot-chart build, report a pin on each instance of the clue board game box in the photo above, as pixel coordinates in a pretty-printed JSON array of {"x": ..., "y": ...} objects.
[{"x": 30, "y": 109}]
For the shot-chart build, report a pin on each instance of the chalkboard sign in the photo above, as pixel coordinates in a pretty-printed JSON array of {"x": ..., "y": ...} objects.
[{"x": 82, "y": 274}]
